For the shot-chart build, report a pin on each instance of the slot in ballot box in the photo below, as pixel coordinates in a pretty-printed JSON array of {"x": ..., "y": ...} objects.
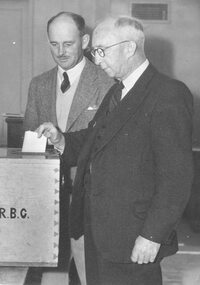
[{"x": 29, "y": 208}]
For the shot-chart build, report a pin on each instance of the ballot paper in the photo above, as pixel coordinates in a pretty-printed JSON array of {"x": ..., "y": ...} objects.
[{"x": 32, "y": 143}]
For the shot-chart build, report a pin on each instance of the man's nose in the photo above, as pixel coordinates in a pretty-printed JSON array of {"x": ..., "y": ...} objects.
[{"x": 61, "y": 50}]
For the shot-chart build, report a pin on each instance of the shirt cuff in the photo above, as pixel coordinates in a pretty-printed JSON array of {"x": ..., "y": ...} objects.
[{"x": 60, "y": 146}]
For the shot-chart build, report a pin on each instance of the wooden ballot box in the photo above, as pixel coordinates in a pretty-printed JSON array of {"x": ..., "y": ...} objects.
[{"x": 29, "y": 208}]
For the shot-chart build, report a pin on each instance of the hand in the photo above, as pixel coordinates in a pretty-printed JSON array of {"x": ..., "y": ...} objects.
[
  {"x": 49, "y": 131},
  {"x": 144, "y": 250}
]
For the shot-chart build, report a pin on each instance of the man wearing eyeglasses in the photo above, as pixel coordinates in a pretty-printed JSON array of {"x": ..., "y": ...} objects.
[
  {"x": 68, "y": 96},
  {"x": 135, "y": 165}
]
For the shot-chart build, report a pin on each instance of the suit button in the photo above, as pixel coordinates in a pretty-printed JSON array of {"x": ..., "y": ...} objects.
[
  {"x": 62, "y": 181},
  {"x": 98, "y": 137}
]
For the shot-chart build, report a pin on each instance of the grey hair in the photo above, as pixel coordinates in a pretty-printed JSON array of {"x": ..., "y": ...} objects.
[
  {"x": 124, "y": 28},
  {"x": 131, "y": 28},
  {"x": 124, "y": 21}
]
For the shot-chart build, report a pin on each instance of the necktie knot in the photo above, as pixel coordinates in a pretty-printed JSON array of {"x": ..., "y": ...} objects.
[
  {"x": 116, "y": 95},
  {"x": 65, "y": 83},
  {"x": 119, "y": 84}
]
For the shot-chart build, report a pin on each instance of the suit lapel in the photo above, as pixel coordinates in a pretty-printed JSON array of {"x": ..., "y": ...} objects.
[
  {"x": 48, "y": 96},
  {"x": 84, "y": 93},
  {"x": 128, "y": 106}
]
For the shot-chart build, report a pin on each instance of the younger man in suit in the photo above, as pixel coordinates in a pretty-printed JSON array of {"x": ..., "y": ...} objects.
[
  {"x": 135, "y": 166},
  {"x": 68, "y": 96}
]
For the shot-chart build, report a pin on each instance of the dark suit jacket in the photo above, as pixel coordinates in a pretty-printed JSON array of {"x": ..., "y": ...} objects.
[{"x": 142, "y": 171}]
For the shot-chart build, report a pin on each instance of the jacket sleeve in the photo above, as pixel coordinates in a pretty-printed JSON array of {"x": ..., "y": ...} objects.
[
  {"x": 171, "y": 138},
  {"x": 74, "y": 142}
]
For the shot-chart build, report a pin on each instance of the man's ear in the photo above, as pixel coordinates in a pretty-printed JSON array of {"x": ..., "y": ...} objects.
[
  {"x": 85, "y": 41},
  {"x": 131, "y": 48}
]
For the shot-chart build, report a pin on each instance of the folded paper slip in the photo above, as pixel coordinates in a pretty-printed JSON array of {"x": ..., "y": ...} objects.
[{"x": 32, "y": 143}]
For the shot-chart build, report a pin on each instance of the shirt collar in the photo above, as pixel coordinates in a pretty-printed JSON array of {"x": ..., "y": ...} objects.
[
  {"x": 72, "y": 73},
  {"x": 130, "y": 81}
]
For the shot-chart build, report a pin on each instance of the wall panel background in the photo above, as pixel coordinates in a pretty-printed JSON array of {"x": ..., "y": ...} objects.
[{"x": 172, "y": 46}]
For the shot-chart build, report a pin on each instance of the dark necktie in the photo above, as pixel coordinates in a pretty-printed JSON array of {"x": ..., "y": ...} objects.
[
  {"x": 65, "y": 84},
  {"x": 116, "y": 96}
]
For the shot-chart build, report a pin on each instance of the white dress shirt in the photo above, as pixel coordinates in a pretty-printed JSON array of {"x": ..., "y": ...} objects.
[
  {"x": 130, "y": 81},
  {"x": 64, "y": 100}
]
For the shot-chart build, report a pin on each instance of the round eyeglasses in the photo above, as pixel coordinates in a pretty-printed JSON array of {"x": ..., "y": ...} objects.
[{"x": 101, "y": 50}]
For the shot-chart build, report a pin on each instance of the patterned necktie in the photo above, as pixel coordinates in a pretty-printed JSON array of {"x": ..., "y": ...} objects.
[
  {"x": 65, "y": 84},
  {"x": 116, "y": 96}
]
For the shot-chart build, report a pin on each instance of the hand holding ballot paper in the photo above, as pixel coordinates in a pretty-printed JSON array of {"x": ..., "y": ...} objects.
[
  {"x": 49, "y": 131},
  {"x": 36, "y": 141}
]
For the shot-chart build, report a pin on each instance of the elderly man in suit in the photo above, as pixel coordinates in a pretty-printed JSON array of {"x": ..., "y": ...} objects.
[
  {"x": 68, "y": 96},
  {"x": 135, "y": 166}
]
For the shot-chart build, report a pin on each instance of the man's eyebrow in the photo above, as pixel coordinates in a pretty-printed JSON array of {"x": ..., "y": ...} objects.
[
  {"x": 99, "y": 46},
  {"x": 70, "y": 41}
]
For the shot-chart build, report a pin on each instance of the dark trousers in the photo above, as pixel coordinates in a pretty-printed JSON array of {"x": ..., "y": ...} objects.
[{"x": 103, "y": 272}]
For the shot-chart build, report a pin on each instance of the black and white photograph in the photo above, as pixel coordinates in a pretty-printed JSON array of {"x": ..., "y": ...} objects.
[{"x": 100, "y": 142}]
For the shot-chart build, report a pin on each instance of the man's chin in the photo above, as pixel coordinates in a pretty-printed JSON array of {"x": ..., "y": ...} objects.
[{"x": 64, "y": 66}]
